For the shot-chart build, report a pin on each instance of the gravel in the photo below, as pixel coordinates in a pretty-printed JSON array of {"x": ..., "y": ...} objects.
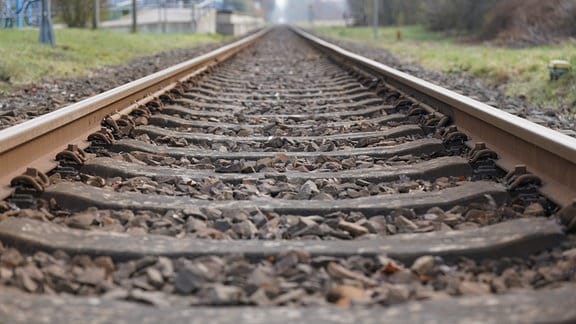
[
  {"x": 210, "y": 223},
  {"x": 47, "y": 95},
  {"x": 293, "y": 278}
]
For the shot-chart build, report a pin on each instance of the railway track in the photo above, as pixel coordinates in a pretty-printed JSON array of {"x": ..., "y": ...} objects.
[{"x": 300, "y": 182}]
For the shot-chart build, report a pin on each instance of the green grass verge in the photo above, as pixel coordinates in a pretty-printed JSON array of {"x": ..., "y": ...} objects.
[
  {"x": 78, "y": 51},
  {"x": 515, "y": 71}
]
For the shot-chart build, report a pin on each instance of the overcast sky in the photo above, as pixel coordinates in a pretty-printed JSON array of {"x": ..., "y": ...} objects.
[{"x": 298, "y": 10}]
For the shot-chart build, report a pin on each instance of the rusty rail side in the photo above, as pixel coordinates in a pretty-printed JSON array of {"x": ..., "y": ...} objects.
[
  {"x": 36, "y": 142},
  {"x": 548, "y": 154}
]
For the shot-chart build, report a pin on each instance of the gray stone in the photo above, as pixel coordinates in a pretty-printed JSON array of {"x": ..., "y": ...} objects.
[
  {"x": 11, "y": 258},
  {"x": 339, "y": 272},
  {"x": 534, "y": 209},
  {"x": 424, "y": 265},
  {"x": 352, "y": 228},
  {"x": 222, "y": 224},
  {"x": 81, "y": 221},
  {"x": 259, "y": 279},
  {"x": 569, "y": 254},
  {"x": 466, "y": 226},
  {"x": 405, "y": 224},
  {"x": 154, "y": 276},
  {"x": 397, "y": 294},
  {"x": 470, "y": 288},
  {"x": 152, "y": 298},
  {"x": 91, "y": 276},
  {"x": 106, "y": 263},
  {"x": 289, "y": 296},
  {"x": 308, "y": 189},
  {"x": 25, "y": 281},
  {"x": 218, "y": 294},
  {"x": 376, "y": 225},
  {"x": 245, "y": 229},
  {"x": 304, "y": 227},
  {"x": 187, "y": 282},
  {"x": 195, "y": 225}
]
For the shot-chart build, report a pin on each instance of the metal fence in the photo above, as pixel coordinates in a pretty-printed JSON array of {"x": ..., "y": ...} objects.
[
  {"x": 117, "y": 9},
  {"x": 20, "y": 13}
]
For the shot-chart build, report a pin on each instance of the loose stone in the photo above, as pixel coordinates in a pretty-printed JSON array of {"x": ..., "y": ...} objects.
[
  {"x": 354, "y": 229},
  {"x": 11, "y": 258},
  {"x": 423, "y": 265},
  {"x": 534, "y": 209},
  {"x": 473, "y": 288}
]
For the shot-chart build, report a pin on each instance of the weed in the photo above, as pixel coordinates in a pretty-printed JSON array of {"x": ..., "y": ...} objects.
[
  {"x": 4, "y": 75},
  {"x": 78, "y": 51},
  {"x": 518, "y": 72}
]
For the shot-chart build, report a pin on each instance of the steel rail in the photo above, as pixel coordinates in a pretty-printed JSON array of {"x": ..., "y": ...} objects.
[
  {"x": 548, "y": 154},
  {"x": 36, "y": 142}
]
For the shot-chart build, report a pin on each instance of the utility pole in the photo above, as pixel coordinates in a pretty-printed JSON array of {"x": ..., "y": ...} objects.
[
  {"x": 46, "y": 32},
  {"x": 375, "y": 19},
  {"x": 193, "y": 12},
  {"x": 163, "y": 18},
  {"x": 134, "y": 19},
  {"x": 96, "y": 15}
]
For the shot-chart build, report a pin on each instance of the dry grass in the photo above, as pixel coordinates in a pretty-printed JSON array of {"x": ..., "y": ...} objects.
[
  {"x": 518, "y": 72},
  {"x": 78, "y": 51}
]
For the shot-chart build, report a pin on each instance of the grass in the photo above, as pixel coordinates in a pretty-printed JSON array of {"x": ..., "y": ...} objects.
[
  {"x": 79, "y": 51},
  {"x": 518, "y": 72}
]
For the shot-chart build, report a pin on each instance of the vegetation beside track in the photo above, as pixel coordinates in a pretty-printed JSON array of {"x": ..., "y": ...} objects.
[
  {"x": 518, "y": 72},
  {"x": 78, "y": 51}
]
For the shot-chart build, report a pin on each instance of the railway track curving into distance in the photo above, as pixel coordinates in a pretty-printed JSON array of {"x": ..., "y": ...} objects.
[{"x": 283, "y": 179}]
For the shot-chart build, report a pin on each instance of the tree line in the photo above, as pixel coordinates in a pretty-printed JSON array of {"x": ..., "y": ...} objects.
[
  {"x": 75, "y": 13},
  {"x": 484, "y": 18}
]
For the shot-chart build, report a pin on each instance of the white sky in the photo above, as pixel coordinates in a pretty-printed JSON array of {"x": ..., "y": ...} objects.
[
  {"x": 297, "y": 10},
  {"x": 281, "y": 4}
]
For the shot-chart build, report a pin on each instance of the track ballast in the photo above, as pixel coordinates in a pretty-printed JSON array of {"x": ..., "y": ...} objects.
[{"x": 293, "y": 186}]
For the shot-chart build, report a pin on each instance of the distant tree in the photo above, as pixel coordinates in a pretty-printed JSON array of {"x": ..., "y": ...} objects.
[
  {"x": 357, "y": 11},
  {"x": 458, "y": 16},
  {"x": 391, "y": 12},
  {"x": 568, "y": 8},
  {"x": 236, "y": 5},
  {"x": 76, "y": 13},
  {"x": 528, "y": 22},
  {"x": 268, "y": 7}
]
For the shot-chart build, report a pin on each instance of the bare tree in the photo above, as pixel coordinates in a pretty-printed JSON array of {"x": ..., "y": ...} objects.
[
  {"x": 528, "y": 22},
  {"x": 532, "y": 21}
]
